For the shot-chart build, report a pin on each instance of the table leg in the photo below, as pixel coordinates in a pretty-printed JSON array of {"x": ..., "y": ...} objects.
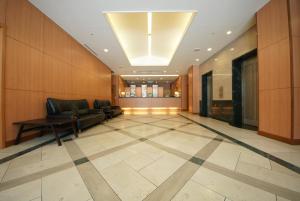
[
  {"x": 56, "y": 135},
  {"x": 74, "y": 129},
  {"x": 19, "y": 134}
]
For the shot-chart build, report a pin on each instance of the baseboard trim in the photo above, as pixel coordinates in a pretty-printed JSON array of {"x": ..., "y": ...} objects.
[{"x": 279, "y": 138}]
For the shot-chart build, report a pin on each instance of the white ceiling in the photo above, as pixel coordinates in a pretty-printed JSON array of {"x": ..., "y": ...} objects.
[{"x": 86, "y": 22}]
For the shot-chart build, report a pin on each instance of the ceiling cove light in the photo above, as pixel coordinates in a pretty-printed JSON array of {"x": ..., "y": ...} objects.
[
  {"x": 150, "y": 75},
  {"x": 149, "y": 38}
]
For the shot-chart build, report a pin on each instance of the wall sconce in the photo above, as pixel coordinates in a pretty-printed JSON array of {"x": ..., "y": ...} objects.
[{"x": 123, "y": 94}]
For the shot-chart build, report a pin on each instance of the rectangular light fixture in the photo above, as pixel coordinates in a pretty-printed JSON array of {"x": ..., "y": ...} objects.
[
  {"x": 164, "y": 75},
  {"x": 150, "y": 38}
]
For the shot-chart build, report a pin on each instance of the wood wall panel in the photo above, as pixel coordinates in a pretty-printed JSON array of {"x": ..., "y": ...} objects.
[
  {"x": 184, "y": 92},
  {"x": 295, "y": 17},
  {"x": 277, "y": 73},
  {"x": 56, "y": 42},
  {"x": 273, "y": 71},
  {"x": 24, "y": 66},
  {"x": 273, "y": 23},
  {"x": 44, "y": 61},
  {"x": 25, "y": 23},
  {"x": 2, "y": 11},
  {"x": 2, "y": 123},
  {"x": 190, "y": 89},
  {"x": 295, "y": 34},
  {"x": 21, "y": 105}
]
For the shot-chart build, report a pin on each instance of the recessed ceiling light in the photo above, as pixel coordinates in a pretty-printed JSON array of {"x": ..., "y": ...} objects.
[
  {"x": 209, "y": 49},
  {"x": 197, "y": 60},
  {"x": 105, "y": 50},
  {"x": 229, "y": 32},
  {"x": 165, "y": 71},
  {"x": 231, "y": 49}
]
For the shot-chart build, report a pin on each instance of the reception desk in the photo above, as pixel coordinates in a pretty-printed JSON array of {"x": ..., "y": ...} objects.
[{"x": 137, "y": 105}]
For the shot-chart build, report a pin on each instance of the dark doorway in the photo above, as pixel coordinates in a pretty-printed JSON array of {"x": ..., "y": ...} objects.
[
  {"x": 244, "y": 91},
  {"x": 207, "y": 93}
]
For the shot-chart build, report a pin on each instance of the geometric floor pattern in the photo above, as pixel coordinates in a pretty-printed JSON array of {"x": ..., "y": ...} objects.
[{"x": 146, "y": 157}]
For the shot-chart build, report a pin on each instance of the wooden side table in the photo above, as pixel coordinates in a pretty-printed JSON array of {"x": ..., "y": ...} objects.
[{"x": 53, "y": 124}]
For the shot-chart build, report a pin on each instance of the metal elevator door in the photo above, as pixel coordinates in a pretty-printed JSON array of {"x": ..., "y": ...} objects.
[{"x": 249, "y": 92}]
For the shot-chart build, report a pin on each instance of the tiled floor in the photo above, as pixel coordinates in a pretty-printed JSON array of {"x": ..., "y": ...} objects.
[{"x": 153, "y": 158}]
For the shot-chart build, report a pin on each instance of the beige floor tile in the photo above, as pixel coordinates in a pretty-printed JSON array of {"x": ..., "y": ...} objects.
[
  {"x": 167, "y": 124},
  {"x": 185, "y": 143},
  {"x": 226, "y": 155},
  {"x": 127, "y": 183},
  {"x": 281, "y": 199},
  {"x": 180, "y": 119},
  {"x": 98, "y": 143},
  {"x": 273, "y": 177},
  {"x": 112, "y": 159},
  {"x": 161, "y": 169},
  {"x": 44, "y": 158},
  {"x": 95, "y": 130},
  {"x": 24, "y": 192},
  {"x": 122, "y": 124},
  {"x": 3, "y": 169},
  {"x": 66, "y": 185},
  {"x": 198, "y": 130},
  {"x": 138, "y": 161},
  {"x": 144, "y": 130},
  {"x": 26, "y": 159},
  {"x": 230, "y": 188},
  {"x": 145, "y": 119},
  {"x": 253, "y": 158},
  {"x": 147, "y": 150},
  {"x": 193, "y": 191},
  {"x": 37, "y": 199},
  {"x": 283, "y": 170}
]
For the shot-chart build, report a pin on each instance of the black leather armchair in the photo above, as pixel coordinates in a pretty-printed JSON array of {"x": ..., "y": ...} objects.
[
  {"x": 79, "y": 109},
  {"x": 109, "y": 110}
]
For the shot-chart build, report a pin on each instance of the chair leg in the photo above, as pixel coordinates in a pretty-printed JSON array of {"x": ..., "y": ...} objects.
[
  {"x": 56, "y": 135},
  {"x": 19, "y": 134},
  {"x": 74, "y": 129}
]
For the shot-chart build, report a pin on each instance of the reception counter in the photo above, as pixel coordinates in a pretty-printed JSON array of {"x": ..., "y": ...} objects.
[{"x": 138, "y": 105}]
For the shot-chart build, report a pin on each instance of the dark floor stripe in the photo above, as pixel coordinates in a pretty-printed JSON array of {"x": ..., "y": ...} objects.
[{"x": 254, "y": 149}]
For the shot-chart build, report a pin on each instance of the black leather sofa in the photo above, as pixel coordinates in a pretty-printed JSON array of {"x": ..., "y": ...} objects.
[
  {"x": 109, "y": 110},
  {"x": 79, "y": 109}
]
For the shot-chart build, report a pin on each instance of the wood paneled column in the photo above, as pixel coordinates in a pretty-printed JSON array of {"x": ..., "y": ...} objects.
[{"x": 277, "y": 68}]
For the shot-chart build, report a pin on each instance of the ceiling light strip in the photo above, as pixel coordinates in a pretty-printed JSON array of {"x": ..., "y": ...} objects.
[{"x": 150, "y": 75}]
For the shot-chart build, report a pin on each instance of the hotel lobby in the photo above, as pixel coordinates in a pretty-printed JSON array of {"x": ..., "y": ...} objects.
[{"x": 150, "y": 100}]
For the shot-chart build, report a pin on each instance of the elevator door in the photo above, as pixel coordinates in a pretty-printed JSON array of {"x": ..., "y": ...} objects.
[{"x": 249, "y": 92}]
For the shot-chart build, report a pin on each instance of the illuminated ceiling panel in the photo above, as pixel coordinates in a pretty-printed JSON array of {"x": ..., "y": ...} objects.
[{"x": 149, "y": 38}]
